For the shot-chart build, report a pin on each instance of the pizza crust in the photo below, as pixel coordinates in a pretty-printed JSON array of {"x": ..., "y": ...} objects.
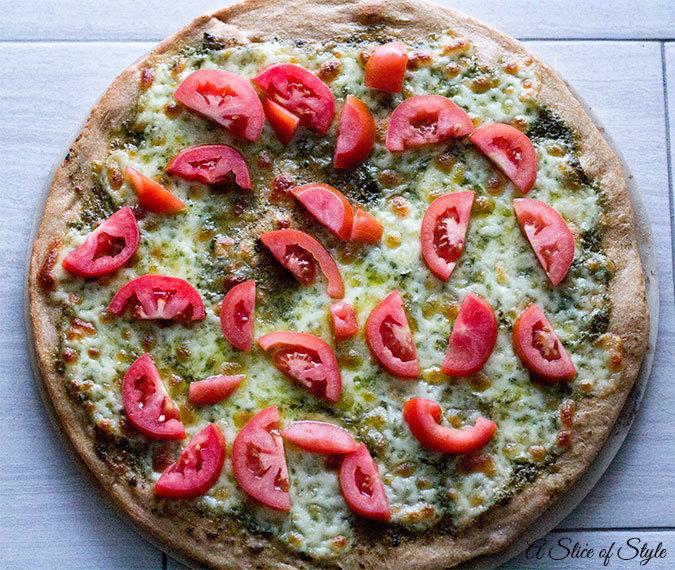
[{"x": 210, "y": 541}]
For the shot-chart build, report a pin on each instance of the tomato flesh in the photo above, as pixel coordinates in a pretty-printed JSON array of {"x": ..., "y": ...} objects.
[
  {"x": 365, "y": 228},
  {"x": 213, "y": 389},
  {"x": 385, "y": 70},
  {"x": 151, "y": 195},
  {"x": 320, "y": 437},
  {"x": 356, "y": 134},
  {"x": 328, "y": 205},
  {"x": 258, "y": 461},
  {"x": 236, "y": 315},
  {"x": 362, "y": 487},
  {"x": 197, "y": 468},
  {"x": 283, "y": 123},
  {"x": 343, "y": 321},
  {"x": 210, "y": 164},
  {"x": 107, "y": 248},
  {"x": 423, "y": 417}
]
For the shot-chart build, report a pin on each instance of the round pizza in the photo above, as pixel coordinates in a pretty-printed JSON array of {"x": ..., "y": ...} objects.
[{"x": 337, "y": 284}]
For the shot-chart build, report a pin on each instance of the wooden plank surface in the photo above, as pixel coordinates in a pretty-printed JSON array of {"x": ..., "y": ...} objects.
[{"x": 669, "y": 73}]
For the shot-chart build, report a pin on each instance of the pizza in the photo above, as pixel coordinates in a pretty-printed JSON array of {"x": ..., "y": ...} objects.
[{"x": 337, "y": 284}]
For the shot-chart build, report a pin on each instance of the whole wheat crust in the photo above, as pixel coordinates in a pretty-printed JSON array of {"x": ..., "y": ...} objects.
[{"x": 187, "y": 532}]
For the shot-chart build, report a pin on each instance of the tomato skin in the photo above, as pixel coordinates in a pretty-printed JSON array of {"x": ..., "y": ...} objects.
[
  {"x": 473, "y": 337},
  {"x": 343, "y": 321},
  {"x": 328, "y": 205},
  {"x": 532, "y": 336},
  {"x": 385, "y": 70},
  {"x": 362, "y": 487},
  {"x": 284, "y": 245},
  {"x": 300, "y": 92},
  {"x": 236, "y": 315},
  {"x": 426, "y": 119},
  {"x": 224, "y": 98},
  {"x": 258, "y": 461},
  {"x": 197, "y": 468},
  {"x": 443, "y": 233},
  {"x": 213, "y": 389},
  {"x": 356, "y": 134},
  {"x": 159, "y": 297},
  {"x": 151, "y": 195},
  {"x": 365, "y": 228},
  {"x": 388, "y": 319},
  {"x": 549, "y": 236},
  {"x": 307, "y": 359},
  {"x": 93, "y": 259},
  {"x": 210, "y": 164},
  {"x": 320, "y": 437},
  {"x": 283, "y": 122},
  {"x": 145, "y": 400},
  {"x": 423, "y": 417},
  {"x": 511, "y": 151}
]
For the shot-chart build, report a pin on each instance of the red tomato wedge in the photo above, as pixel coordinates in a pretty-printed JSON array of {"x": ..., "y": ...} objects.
[
  {"x": 210, "y": 164},
  {"x": 328, "y": 205},
  {"x": 197, "y": 468},
  {"x": 443, "y": 233},
  {"x": 283, "y": 123},
  {"x": 389, "y": 337},
  {"x": 511, "y": 151},
  {"x": 539, "y": 348},
  {"x": 236, "y": 315},
  {"x": 343, "y": 321},
  {"x": 213, "y": 389},
  {"x": 385, "y": 69},
  {"x": 107, "y": 248},
  {"x": 226, "y": 99},
  {"x": 320, "y": 437},
  {"x": 299, "y": 253},
  {"x": 361, "y": 486},
  {"x": 147, "y": 403},
  {"x": 356, "y": 134},
  {"x": 426, "y": 119},
  {"x": 365, "y": 228},
  {"x": 151, "y": 195},
  {"x": 473, "y": 337},
  {"x": 159, "y": 297},
  {"x": 300, "y": 92},
  {"x": 549, "y": 236},
  {"x": 307, "y": 359},
  {"x": 423, "y": 417},
  {"x": 258, "y": 460}
]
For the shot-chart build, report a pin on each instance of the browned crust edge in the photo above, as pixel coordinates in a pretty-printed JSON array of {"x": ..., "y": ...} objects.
[{"x": 258, "y": 19}]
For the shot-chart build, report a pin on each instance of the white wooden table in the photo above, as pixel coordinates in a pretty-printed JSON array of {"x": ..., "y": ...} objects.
[{"x": 56, "y": 57}]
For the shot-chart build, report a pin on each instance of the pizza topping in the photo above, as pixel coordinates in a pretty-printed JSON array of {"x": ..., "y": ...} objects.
[
  {"x": 258, "y": 460},
  {"x": 307, "y": 359},
  {"x": 213, "y": 389},
  {"x": 443, "y": 233},
  {"x": 424, "y": 416},
  {"x": 283, "y": 122},
  {"x": 46, "y": 277},
  {"x": 225, "y": 98},
  {"x": 361, "y": 486},
  {"x": 365, "y": 228},
  {"x": 236, "y": 315},
  {"x": 386, "y": 67},
  {"x": 319, "y": 437},
  {"x": 328, "y": 205},
  {"x": 197, "y": 468},
  {"x": 159, "y": 297},
  {"x": 210, "y": 164},
  {"x": 356, "y": 134},
  {"x": 151, "y": 195},
  {"x": 147, "y": 404},
  {"x": 343, "y": 321}
]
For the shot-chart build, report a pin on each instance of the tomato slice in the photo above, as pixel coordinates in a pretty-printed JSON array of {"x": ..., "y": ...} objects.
[
  {"x": 147, "y": 404},
  {"x": 511, "y": 151},
  {"x": 443, "y": 233},
  {"x": 236, "y": 315},
  {"x": 328, "y": 205},
  {"x": 151, "y": 195},
  {"x": 426, "y": 119},
  {"x": 423, "y": 417},
  {"x": 107, "y": 248},
  {"x": 299, "y": 253},
  {"x": 159, "y": 297},
  {"x": 356, "y": 134},
  {"x": 213, "y": 389},
  {"x": 343, "y": 321},
  {"x": 549, "y": 236},
  {"x": 226, "y": 99},
  {"x": 365, "y": 228},
  {"x": 473, "y": 337},
  {"x": 320, "y": 437},
  {"x": 197, "y": 468},
  {"x": 539, "y": 348},
  {"x": 385, "y": 70},
  {"x": 258, "y": 460},
  {"x": 389, "y": 337},
  {"x": 361, "y": 486},
  {"x": 210, "y": 164},
  {"x": 307, "y": 359},
  {"x": 283, "y": 122},
  {"x": 300, "y": 92}
]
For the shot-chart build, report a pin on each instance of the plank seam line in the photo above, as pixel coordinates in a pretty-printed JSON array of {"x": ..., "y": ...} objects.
[
  {"x": 615, "y": 529},
  {"x": 669, "y": 159},
  {"x": 165, "y": 561}
]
